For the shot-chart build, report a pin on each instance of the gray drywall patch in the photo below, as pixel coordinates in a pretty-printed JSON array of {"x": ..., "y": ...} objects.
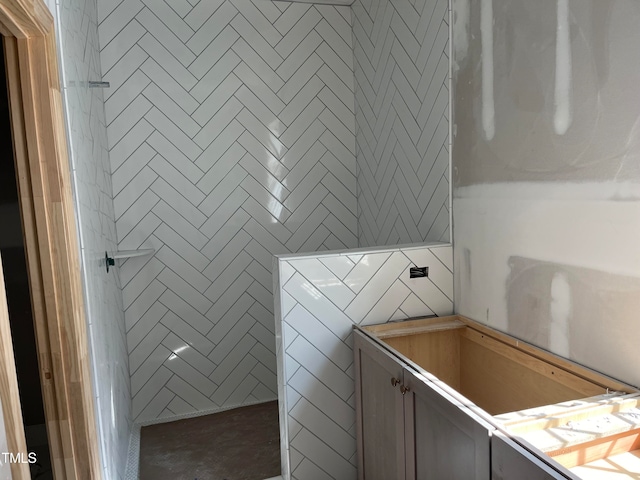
[{"x": 599, "y": 311}]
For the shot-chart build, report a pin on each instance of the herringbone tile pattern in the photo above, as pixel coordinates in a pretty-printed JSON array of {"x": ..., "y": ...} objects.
[
  {"x": 402, "y": 98},
  {"x": 231, "y": 133},
  {"x": 321, "y": 298}
]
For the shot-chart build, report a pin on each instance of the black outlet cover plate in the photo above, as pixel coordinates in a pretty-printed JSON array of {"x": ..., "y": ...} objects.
[{"x": 418, "y": 272}]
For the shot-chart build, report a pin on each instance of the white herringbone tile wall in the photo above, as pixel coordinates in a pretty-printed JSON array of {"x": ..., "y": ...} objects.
[
  {"x": 231, "y": 131},
  {"x": 318, "y": 300},
  {"x": 402, "y": 99},
  {"x": 77, "y": 31}
]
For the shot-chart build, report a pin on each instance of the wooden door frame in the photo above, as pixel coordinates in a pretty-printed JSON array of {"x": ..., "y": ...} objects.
[
  {"x": 51, "y": 239},
  {"x": 9, "y": 397}
]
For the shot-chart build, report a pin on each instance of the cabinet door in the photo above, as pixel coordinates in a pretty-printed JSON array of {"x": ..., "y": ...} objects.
[
  {"x": 444, "y": 439},
  {"x": 510, "y": 460},
  {"x": 379, "y": 412}
]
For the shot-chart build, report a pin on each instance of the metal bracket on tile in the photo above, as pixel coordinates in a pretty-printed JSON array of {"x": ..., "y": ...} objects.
[
  {"x": 108, "y": 261},
  {"x": 93, "y": 84}
]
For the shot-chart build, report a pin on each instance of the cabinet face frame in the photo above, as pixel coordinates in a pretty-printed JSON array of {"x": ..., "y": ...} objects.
[
  {"x": 473, "y": 426},
  {"x": 393, "y": 369},
  {"x": 460, "y": 418},
  {"x": 510, "y": 460},
  {"x": 51, "y": 239}
]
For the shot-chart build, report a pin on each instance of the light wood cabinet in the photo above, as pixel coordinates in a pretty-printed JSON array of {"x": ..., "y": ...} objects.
[{"x": 447, "y": 398}]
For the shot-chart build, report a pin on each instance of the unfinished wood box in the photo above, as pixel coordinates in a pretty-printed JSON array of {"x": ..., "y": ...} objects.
[{"x": 472, "y": 392}]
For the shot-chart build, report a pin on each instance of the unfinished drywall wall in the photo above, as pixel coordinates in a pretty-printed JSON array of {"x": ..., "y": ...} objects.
[{"x": 546, "y": 174}]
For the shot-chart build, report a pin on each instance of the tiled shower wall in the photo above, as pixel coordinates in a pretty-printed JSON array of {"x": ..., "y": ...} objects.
[
  {"x": 231, "y": 134},
  {"x": 319, "y": 298},
  {"x": 402, "y": 99},
  {"x": 78, "y": 37}
]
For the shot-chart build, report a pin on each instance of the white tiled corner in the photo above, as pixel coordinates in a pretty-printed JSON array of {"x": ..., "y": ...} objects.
[{"x": 316, "y": 386}]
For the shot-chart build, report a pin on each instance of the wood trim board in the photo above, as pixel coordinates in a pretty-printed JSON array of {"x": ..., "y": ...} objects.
[
  {"x": 9, "y": 396},
  {"x": 26, "y": 18},
  {"x": 51, "y": 240}
]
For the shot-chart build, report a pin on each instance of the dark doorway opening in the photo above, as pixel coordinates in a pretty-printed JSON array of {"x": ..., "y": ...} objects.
[{"x": 19, "y": 296}]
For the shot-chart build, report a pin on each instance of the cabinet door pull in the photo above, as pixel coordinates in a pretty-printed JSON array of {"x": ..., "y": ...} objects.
[
  {"x": 394, "y": 381},
  {"x": 404, "y": 389}
]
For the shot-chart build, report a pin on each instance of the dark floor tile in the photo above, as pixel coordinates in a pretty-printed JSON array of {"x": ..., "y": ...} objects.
[{"x": 239, "y": 444}]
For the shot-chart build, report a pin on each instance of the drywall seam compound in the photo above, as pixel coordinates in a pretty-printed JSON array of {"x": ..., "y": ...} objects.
[
  {"x": 563, "y": 116},
  {"x": 488, "y": 107}
]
